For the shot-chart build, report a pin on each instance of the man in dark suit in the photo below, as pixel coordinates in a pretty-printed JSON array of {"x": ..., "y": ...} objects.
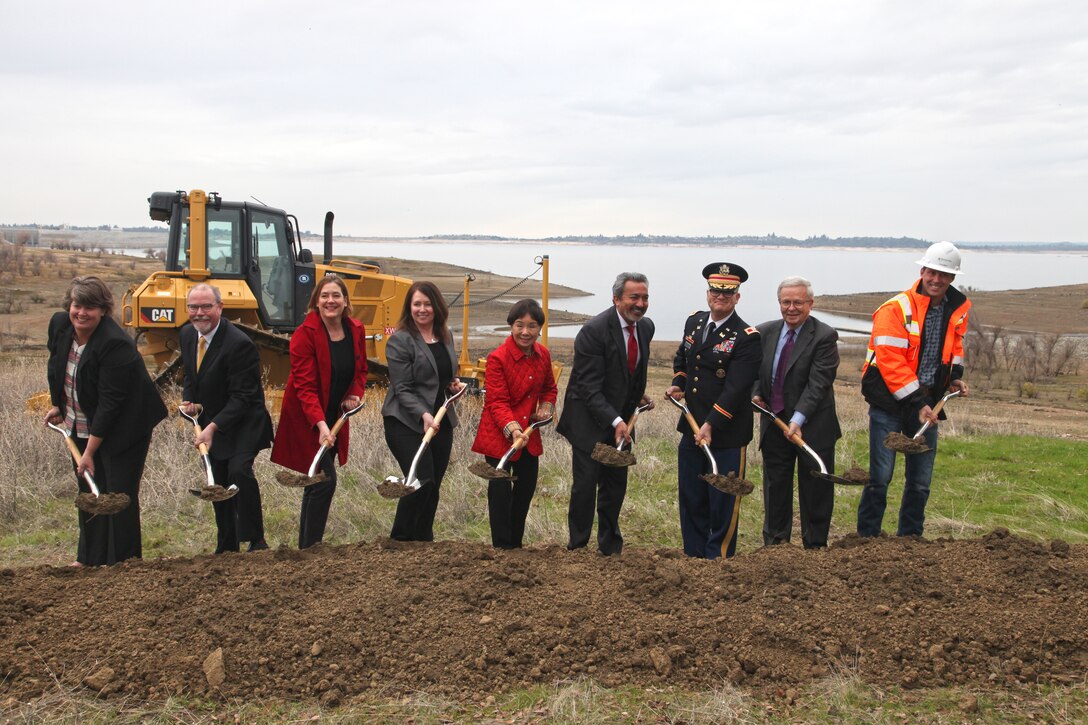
[
  {"x": 800, "y": 360},
  {"x": 714, "y": 368},
  {"x": 223, "y": 374},
  {"x": 607, "y": 383}
]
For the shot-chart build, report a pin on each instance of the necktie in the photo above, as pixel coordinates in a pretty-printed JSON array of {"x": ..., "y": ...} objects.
[
  {"x": 711, "y": 326},
  {"x": 201, "y": 348},
  {"x": 632, "y": 349},
  {"x": 778, "y": 403}
]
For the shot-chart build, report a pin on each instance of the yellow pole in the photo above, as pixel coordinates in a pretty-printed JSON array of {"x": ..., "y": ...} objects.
[
  {"x": 544, "y": 300},
  {"x": 463, "y": 362},
  {"x": 198, "y": 236}
]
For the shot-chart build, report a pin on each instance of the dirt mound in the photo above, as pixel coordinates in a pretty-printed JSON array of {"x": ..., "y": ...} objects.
[{"x": 337, "y": 624}]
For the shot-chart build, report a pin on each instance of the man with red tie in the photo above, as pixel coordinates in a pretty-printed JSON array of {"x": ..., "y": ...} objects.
[
  {"x": 607, "y": 383},
  {"x": 714, "y": 369}
]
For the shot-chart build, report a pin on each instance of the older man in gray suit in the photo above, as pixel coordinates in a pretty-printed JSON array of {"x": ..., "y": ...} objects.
[{"x": 800, "y": 361}]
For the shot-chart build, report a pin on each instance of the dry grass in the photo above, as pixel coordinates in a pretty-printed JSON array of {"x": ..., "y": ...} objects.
[{"x": 37, "y": 518}]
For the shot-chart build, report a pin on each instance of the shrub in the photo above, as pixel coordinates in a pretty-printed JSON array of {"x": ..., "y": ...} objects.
[{"x": 1029, "y": 390}]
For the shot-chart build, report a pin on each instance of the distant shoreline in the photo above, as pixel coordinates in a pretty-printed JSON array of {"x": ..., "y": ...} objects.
[
  {"x": 119, "y": 239},
  {"x": 1026, "y": 247}
]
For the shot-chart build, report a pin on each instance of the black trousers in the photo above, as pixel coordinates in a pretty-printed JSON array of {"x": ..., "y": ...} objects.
[
  {"x": 815, "y": 497},
  {"x": 316, "y": 500},
  {"x": 239, "y": 518},
  {"x": 111, "y": 539},
  {"x": 414, "y": 520},
  {"x": 508, "y": 501},
  {"x": 605, "y": 487}
]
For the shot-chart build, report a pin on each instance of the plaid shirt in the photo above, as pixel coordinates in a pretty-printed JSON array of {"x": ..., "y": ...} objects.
[
  {"x": 931, "y": 344},
  {"x": 74, "y": 420}
]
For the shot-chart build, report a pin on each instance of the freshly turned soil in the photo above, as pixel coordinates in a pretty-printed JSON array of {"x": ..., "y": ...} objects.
[
  {"x": 216, "y": 493},
  {"x": 292, "y": 479},
  {"x": 394, "y": 489},
  {"x": 481, "y": 469},
  {"x": 896, "y": 441},
  {"x": 609, "y": 456},
  {"x": 460, "y": 620},
  {"x": 104, "y": 504},
  {"x": 856, "y": 475},
  {"x": 729, "y": 483}
]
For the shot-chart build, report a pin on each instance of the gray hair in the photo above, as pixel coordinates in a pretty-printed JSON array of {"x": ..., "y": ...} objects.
[
  {"x": 623, "y": 278},
  {"x": 205, "y": 287},
  {"x": 796, "y": 281}
]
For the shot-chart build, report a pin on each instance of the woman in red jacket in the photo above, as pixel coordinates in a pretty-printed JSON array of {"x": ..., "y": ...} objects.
[
  {"x": 328, "y": 374},
  {"x": 520, "y": 389}
]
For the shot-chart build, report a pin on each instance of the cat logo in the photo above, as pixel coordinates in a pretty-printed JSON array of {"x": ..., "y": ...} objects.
[{"x": 160, "y": 315}]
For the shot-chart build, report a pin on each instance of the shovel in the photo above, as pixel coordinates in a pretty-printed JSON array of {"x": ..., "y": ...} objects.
[
  {"x": 730, "y": 484},
  {"x": 393, "y": 487},
  {"x": 481, "y": 469},
  {"x": 93, "y": 502},
  {"x": 800, "y": 443},
  {"x": 298, "y": 480},
  {"x": 616, "y": 457},
  {"x": 211, "y": 491},
  {"x": 896, "y": 441}
]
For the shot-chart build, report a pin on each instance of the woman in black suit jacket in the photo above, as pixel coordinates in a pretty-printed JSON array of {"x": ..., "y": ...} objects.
[
  {"x": 102, "y": 394},
  {"x": 422, "y": 368}
]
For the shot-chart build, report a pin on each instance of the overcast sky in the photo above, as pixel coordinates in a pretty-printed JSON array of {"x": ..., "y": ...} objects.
[{"x": 934, "y": 119}]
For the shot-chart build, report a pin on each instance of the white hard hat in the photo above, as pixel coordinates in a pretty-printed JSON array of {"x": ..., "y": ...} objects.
[{"x": 943, "y": 257}]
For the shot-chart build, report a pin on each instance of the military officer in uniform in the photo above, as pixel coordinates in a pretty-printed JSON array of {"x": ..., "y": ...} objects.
[{"x": 714, "y": 369}]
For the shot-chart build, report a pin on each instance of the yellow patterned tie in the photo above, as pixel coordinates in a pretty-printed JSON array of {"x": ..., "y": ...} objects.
[{"x": 201, "y": 348}]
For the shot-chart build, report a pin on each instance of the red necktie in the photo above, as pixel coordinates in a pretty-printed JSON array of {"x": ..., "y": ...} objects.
[{"x": 632, "y": 349}]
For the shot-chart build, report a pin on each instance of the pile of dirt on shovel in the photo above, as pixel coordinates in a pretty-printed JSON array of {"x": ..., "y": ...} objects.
[{"x": 346, "y": 623}]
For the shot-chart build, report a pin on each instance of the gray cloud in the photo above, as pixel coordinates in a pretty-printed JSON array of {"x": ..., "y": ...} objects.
[{"x": 944, "y": 120}]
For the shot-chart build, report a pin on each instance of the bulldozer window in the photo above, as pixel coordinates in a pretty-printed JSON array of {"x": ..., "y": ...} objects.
[
  {"x": 224, "y": 245},
  {"x": 272, "y": 253}
]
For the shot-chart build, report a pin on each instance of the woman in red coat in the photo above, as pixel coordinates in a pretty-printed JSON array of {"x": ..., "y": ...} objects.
[
  {"x": 328, "y": 373},
  {"x": 520, "y": 389}
]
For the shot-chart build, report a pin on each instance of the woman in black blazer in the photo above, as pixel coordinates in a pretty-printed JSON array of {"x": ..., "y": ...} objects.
[
  {"x": 422, "y": 368},
  {"x": 102, "y": 394}
]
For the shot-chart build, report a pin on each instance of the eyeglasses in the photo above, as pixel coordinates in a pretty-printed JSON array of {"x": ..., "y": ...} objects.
[
  {"x": 794, "y": 303},
  {"x": 200, "y": 308},
  {"x": 722, "y": 292}
]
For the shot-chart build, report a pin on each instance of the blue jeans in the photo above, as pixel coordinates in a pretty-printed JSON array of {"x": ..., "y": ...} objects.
[{"x": 919, "y": 473}]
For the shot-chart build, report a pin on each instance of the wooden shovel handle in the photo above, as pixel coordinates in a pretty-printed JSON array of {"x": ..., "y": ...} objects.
[
  {"x": 796, "y": 437},
  {"x": 938, "y": 406},
  {"x": 430, "y": 432},
  {"x": 203, "y": 448},
  {"x": 73, "y": 448},
  {"x": 338, "y": 425},
  {"x": 196, "y": 427},
  {"x": 691, "y": 421}
]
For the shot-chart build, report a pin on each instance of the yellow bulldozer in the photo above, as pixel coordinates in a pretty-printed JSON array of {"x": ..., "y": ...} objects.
[{"x": 254, "y": 255}]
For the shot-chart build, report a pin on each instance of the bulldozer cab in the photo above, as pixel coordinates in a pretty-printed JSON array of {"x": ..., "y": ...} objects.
[{"x": 249, "y": 242}]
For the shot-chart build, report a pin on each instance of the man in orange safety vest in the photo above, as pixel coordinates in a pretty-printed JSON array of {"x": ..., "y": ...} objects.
[{"x": 915, "y": 355}]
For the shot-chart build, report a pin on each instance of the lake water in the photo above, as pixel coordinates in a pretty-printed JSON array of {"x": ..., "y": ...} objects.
[{"x": 677, "y": 288}]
